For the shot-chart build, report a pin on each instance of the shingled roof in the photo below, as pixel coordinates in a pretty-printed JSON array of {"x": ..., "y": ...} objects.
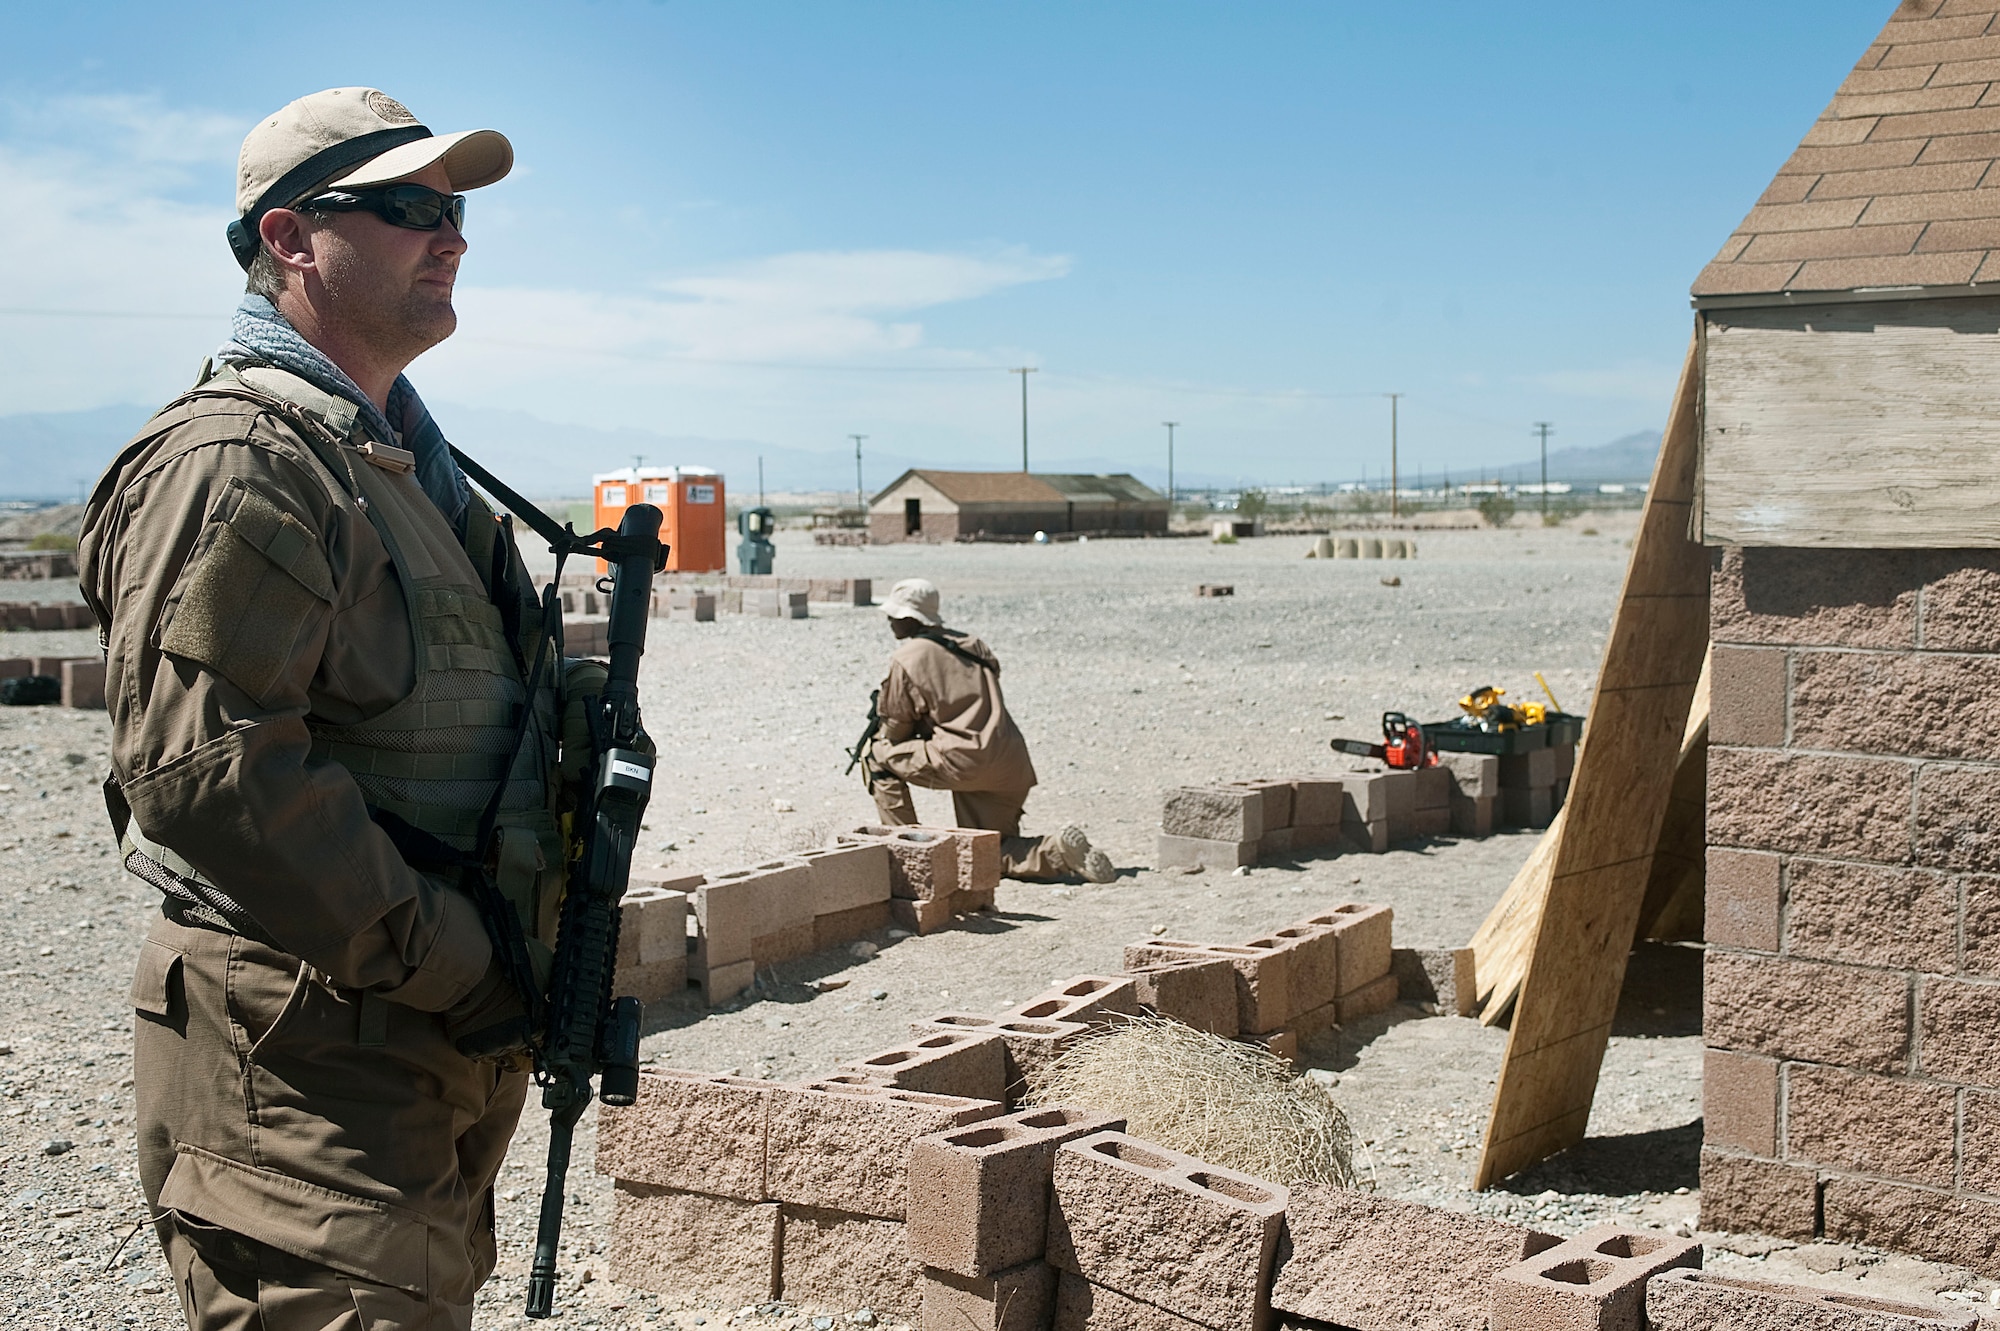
[
  {"x": 1020, "y": 487},
  {"x": 1896, "y": 185}
]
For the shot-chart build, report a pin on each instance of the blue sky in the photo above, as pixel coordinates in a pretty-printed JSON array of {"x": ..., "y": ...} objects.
[{"x": 787, "y": 222}]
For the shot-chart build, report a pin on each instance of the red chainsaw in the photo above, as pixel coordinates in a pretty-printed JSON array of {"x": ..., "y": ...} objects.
[{"x": 1403, "y": 745}]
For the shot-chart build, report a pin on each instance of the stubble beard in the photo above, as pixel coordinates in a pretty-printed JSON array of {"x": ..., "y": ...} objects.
[{"x": 399, "y": 318}]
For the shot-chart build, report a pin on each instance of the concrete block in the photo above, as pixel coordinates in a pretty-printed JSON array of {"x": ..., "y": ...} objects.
[
  {"x": 733, "y": 910},
  {"x": 920, "y": 917},
  {"x": 1373, "y": 1263},
  {"x": 1262, "y": 997},
  {"x": 16, "y": 615},
  {"x": 1082, "y": 1306},
  {"x": 979, "y": 859},
  {"x": 1020, "y": 1299},
  {"x": 1365, "y": 934},
  {"x": 1959, "y": 1229},
  {"x": 717, "y": 1250},
  {"x": 1888, "y": 1127},
  {"x": 831, "y": 931},
  {"x": 49, "y": 617},
  {"x": 1786, "y": 1009},
  {"x": 1528, "y": 771},
  {"x": 1473, "y": 817},
  {"x": 783, "y": 945},
  {"x": 1375, "y": 996},
  {"x": 1365, "y": 797},
  {"x": 83, "y": 684},
  {"x": 1214, "y": 813},
  {"x": 691, "y": 604},
  {"x": 719, "y": 984},
  {"x": 1684, "y": 1299},
  {"x": 689, "y": 1132},
  {"x": 962, "y": 1063},
  {"x": 1741, "y": 898},
  {"x": 1308, "y": 837},
  {"x": 1593, "y": 1282},
  {"x": 1745, "y": 1195},
  {"x": 831, "y": 1262},
  {"x": 1401, "y": 791},
  {"x": 1565, "y": 761},
  {"x": 16, "y": 667},
  {"x": 923, "y": 863},
  {"x": 1314, "y": 978},
  {"x": 52, "y": 666},
  {"x": 847, "y": 877},
  {"x": 1369, "y": 838},
  {"x": 979, "y": 1195},
  {"x": 1435, "y": 788},
  {"x": 1473, "y": 775},
  {"x": 1441, "y": 977},
  {"x": 1309, "y": 1026},
  {"x": 1094, "y": 999},
  {"x": 1275, "y": 843},
  {"x": 1277, "y": 802},
  {"x": 1189, "y": 852},
  {"x": 1533, "y": 807},
  {"x": 846, "y": 1147},
  {"x": 1153, "y": 1224},
  {"x": 1194, "y": 990},
  {"x": 970, "y": 903},
  {"x": 1955, "y": 1033},
  {"x": 1430, "y": 823},
  {"x": 652, "y": 944},
  {"x": 1031, "y": 1045},
  {"x": 1316, "y": 800}
]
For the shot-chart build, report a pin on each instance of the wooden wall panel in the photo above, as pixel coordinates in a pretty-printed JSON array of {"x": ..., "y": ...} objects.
[{"x": 1866, "y": 425}]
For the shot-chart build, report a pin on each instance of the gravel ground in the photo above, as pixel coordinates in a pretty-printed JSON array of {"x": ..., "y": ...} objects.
[{"x": 1125, "y": 683}]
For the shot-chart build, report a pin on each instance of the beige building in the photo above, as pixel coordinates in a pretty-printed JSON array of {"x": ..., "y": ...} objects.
[{"x": 924, "y": 505}]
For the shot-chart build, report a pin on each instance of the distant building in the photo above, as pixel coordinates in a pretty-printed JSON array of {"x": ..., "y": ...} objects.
[{"x": 923, "y": 505}]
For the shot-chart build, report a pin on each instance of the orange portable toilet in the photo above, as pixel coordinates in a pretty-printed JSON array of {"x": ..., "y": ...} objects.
[{"x": 690, "y": 503}]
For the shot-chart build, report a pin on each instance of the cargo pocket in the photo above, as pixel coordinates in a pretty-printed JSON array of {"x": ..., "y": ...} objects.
[
  {"x": 255, "y": 582},
  {"x": 156, "y": 984}
]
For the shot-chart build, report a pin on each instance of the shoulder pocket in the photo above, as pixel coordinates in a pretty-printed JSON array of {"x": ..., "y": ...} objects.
[{"x": 256, "y": 580}]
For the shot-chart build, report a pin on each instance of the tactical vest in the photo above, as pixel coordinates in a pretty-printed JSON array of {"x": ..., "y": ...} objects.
[{"x": 433, "y": 759}]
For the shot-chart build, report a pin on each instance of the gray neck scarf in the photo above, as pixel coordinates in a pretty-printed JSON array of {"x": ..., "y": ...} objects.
[{"x": 258, "y": 333}]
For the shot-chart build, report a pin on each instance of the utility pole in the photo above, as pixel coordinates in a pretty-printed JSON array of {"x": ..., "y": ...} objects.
[
  {"x": 1393, "y": 475},
  {"x": 860, "y": 496},
  {"x": 1024, "y": 372},
  {"x": 1544, "y": 429},
  {"x": 760, "y": 480},
  {"x": 1170, "y": 467}
]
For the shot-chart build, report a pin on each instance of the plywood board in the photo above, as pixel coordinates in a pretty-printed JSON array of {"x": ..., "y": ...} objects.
[
  {"x": 1858, "y": 426},
  {"x": 1600, "y": 864}
]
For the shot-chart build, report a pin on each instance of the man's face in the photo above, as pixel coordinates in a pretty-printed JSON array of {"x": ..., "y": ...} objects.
[{"x": 388, "y": 284}]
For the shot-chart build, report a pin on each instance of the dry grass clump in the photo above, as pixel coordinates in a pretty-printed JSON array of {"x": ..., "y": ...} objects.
[{"x": 1227, "y": 1103}]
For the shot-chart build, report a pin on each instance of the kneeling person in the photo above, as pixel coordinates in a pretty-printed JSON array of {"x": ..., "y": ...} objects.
[{"x": 945, "y": 727}]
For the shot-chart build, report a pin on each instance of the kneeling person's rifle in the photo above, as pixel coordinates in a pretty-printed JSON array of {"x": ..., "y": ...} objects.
[
  {"x": 860, "y": 749},
  {"x": 588, "y": 1033}
]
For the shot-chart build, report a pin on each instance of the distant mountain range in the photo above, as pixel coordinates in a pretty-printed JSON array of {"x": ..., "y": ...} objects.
[{"x": 55, "y": 456}]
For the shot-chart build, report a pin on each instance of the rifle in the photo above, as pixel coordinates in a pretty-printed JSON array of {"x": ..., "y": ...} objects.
[
  {"x": 860, "y": 749},
  {"x": 587, "y": 1032}
]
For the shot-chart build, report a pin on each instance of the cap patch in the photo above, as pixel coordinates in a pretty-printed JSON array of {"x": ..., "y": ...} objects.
[{"x": 387, "y": 107}]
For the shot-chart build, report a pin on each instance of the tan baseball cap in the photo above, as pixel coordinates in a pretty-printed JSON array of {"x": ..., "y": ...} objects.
[
  {"x": 914, "y": 598},
  {"x": 349, "y": 138}
]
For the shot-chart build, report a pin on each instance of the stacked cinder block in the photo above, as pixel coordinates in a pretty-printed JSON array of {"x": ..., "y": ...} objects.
[
  {"x": 1143, "y": 1236},
  {"x": 80, "y": 679},
  {"x": 1685, "y": 1299},
  {"x": 1534, "y": 784},
  {"x": 1030, "y": 1045},
  {"x": 1372, "y": 1263},
  {"x": 773, "y": 603},
  {"x": 978, "y": 1218},
  {"x": 1594, "y": 1282},
  {"x": 653, "y": 939},
  {"x": 1225, "y": 826},
  {"x": 1852, "y": 987},
  {"x": 935, "y": 873},
  {"x": 744, "y": 1191},
  {"x": 36, "y": 615},
  {"x": 850, "y": 892},
  {"x": 1475, "y": 792},
  {"x": 587, "y": 637},
  {"x": 1214, "y": 827},
  {"x": 748, "y": 918},
  {"x": 1290, "y": 985}
]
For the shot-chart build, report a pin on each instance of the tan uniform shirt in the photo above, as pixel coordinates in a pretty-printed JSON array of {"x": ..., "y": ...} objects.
[
  {"x": 946, "y": 722},
  {"x": 215, "y": 762}
]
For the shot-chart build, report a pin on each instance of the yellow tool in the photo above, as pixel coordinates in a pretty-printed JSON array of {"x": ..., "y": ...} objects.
[
  {"x": 1554, "y": 706},
  {"x": 1484, "y": 706}
]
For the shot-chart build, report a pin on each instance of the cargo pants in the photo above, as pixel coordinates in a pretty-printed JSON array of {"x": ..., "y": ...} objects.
[{"x": 313, "y": 1157}]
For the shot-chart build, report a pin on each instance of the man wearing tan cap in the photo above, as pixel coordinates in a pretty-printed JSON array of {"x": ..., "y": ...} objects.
[
  {"x": 318, "y": 642},
  {"x": 945, "y": 727}
]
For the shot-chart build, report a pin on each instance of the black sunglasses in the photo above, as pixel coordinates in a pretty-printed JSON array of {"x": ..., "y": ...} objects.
[{"x": 415, "y": 207}]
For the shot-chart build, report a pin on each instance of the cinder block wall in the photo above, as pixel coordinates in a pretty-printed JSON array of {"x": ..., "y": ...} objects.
[{"x": 1852, "y": 995}]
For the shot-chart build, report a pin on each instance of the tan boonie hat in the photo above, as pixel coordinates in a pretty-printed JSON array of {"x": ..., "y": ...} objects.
[
  {"x": 349, "y": 138},
  {"x": 914, "y": 598}
]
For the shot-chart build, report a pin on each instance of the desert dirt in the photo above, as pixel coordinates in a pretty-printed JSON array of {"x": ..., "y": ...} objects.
[{"x": 1125, "y": 683}]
